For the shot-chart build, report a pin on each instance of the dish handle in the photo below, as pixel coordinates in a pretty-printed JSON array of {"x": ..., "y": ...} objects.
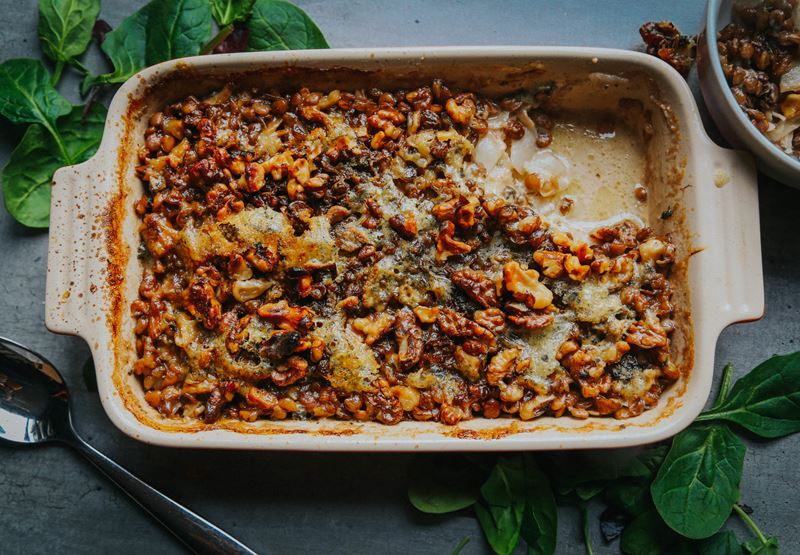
[
  {"x": 738, "y": 276},
  {"x": 77, "y": 257}
]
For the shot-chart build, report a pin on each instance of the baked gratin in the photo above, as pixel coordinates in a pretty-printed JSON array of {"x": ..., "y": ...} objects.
[{"x": 387, "y": 255}]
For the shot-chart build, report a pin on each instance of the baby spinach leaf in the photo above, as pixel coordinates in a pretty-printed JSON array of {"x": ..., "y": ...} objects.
[
  {"x": 443, "y": 483},
  {"x": 721, "y": 543},
  {"x": 176, "y": 28},
  {"x": 27, "y": 176},
  {"x": 29, "y": 172},
  {"x": 65, "y": 27},
  {"x": 633, "y": 498},
  {"x": 280, "y": 25},
  {"x": 698, "y": 483},
  {"x": 125, "y": 48},
  {"x": 460, "y": 545},
  {"x": 766, "y": 401},
  {"x": 501, "y": 515},
  {"x": 231, "y": 11},
  {"x": 648, "y": 535},
  {"x": 26, "y": 95},
  {"x": 755, "y": 546},
  {"x": 540, "y": 517}
]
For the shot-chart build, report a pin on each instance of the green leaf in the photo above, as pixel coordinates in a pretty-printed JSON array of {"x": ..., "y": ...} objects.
[
  {"x": 82, "y": 135},
  {"x": 633, "y": 498},
  {"x": 29, "y": 172},
  {"x": 540, "y": 518},
  {"x": 176, "y": 28},
  {"x": 26, "y": 95},
  {"x": 648, "y": 535},
  {"x": 721, "y": 543},
  {"x": 443, "y": 483},
  {"x": 461, "y": 545},
  {"x": 125, "y": 47},
  {"x": 27, "y": 177},
  {"x": 280, "y": 25},
  {"x": 231, "y": 11},
  {"x": 766, "y": 401},
  {"x": 65, "y": 27},
  {"x": 501, "y": 515},
  {"x": 754, "y": 546},
  {"x": 698, "y": 483}
]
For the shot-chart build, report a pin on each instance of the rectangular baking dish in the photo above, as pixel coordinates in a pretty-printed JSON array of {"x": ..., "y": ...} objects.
[{"x": 94, "y": 272}]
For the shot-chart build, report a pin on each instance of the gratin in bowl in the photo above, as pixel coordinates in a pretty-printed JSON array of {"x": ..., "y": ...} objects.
[
  {"x": 710, "y": 193},
  {"x": 731, "y": 120}
]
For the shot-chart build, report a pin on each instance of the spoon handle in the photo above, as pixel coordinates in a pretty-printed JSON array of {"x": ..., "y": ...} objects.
[{"x": 194, "y": 531}]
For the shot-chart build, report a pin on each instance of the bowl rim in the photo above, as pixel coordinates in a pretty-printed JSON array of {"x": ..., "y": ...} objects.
[{"x": 765, "y": 146}]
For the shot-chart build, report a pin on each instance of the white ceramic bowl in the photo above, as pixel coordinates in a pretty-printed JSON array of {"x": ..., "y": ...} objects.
[
  {"x": 93, "y": 270},
  {"x": 732, "y": 122}
]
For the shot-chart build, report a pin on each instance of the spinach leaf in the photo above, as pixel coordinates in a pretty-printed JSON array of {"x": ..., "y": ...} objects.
[
  {"x": 501, "y": 515},
  {"x": 755, "y": 546},
  {"x": 29, "y": 172},
  {"x": 27, "y": 176},
  {"x": 721, "y": 543},
  {"x": 231, "y": 11},
  {"x": 461, "y": 545},
  {"x": 280, "y": 25},
  {"x": 125, "y": 48},
  {"x": 26, "y": 95},
  {"x": 766, "y": 401},
  {"x": 648, "y": 535},
  {"x": 633, "y": 498},
  {"x": 444, "y": 483},
  {"x": 176, "y": 28},
  {"x": 587, "y": 474},
  {"x": 540, "y": 517},
  {"x": 65, "y": 27},
  {"x": 698, "y": 483},
  {"x": 631, "y": 493}
]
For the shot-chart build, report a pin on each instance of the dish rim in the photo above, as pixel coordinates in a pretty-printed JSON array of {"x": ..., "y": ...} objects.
[{"x": 691, "y": 403}]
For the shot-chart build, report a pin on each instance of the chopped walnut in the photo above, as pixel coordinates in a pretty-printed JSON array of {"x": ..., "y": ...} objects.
[
  {"x": 525, "y": 286},
  {"x": 410, "y": 345},
  {"x": 374, "y": 326},
  {"x": 477, "y": 286},
  {"x": 469, "y": 366},
  {"x": 501, "y": 365},
  {"x": 285, "y": 316},
  {"x": 493, "y": 319},
  {"x": 446, "y": 245}
]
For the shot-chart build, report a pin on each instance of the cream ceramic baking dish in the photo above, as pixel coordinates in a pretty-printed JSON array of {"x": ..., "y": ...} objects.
[{"x": 94, "y": 272}]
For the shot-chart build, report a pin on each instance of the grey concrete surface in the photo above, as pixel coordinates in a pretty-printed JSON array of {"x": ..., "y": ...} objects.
[{"x": 51, "y": 501}]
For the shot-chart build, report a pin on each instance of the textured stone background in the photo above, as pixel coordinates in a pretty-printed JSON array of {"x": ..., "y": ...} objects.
[{"x": 51, "y": 501}]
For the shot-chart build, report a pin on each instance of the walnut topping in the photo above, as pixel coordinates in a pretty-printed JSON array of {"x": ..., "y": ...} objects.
[
  {"x": 409, "y": 339},
  {"x": 404, "y": 224},
  {"x": 285, "y": 316},
  {"x": 374, "y": 326},
  {"x": 492, "y": 319},
  {"x": 446, "y": 245},
  {"x": 426, "y": 314},
  {"x": 501, "y": 365},
  {"x": 461, "y": 108},
  {"x": 341, "y": 254},
  {"x": 477, "y": 286},
  {"x": 525, "y": 286}
]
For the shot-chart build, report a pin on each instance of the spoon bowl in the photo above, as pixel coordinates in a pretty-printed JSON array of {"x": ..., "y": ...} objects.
[
  {"x": 34, "y": 408},
  {"x": 34, "y": 401}
]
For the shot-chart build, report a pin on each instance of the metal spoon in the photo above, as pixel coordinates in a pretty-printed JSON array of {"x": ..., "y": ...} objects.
[{"x": 34, "y": 408}]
